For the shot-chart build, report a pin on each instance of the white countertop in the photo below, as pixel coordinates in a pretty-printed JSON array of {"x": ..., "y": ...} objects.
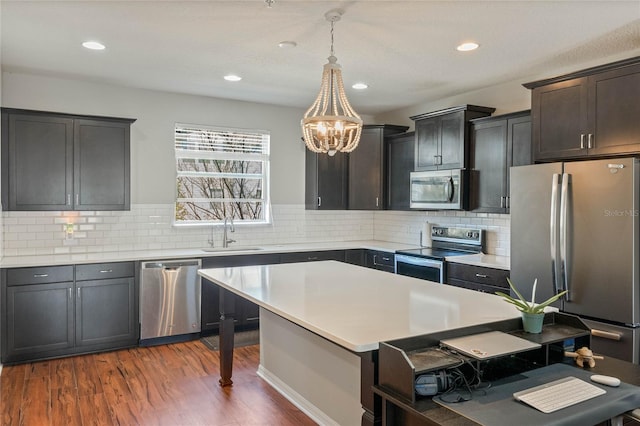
[
  {"x": 356, "y": 307},
  {"x": 486, "y": 260},
  {"x": 122, "y": 256}
]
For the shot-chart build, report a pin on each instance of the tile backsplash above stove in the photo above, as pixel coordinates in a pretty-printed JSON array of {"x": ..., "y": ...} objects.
[{"x": 149, "y": 227}]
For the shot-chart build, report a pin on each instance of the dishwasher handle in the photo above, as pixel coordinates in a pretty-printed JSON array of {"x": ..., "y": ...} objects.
[{"x": 170, "y": 265}]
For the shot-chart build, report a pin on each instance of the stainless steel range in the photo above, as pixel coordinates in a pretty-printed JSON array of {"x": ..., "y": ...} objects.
[{"x": 428, "y": 263}]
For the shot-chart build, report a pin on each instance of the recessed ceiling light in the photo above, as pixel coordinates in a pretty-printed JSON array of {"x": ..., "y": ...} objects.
[
  {"x": 93, "y": 45},
  {"x": 466, "y": 47},
  {"x": 360, "y": 86},
  {"x": 287, "y": 44},
  {"x": 232, "y": 77}
]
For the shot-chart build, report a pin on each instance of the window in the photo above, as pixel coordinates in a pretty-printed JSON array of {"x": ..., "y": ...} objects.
[{"x": 221, "y": 173}]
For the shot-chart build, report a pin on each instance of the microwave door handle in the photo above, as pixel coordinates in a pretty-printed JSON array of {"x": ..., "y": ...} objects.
[
  {"x": 565, "y": 248},
  {"x": 553, "y": 233},
  {"x": 450, "y": 189}
]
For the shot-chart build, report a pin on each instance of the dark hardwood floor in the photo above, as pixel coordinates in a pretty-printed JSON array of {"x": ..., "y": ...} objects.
[{"x": 162, "y": 385}]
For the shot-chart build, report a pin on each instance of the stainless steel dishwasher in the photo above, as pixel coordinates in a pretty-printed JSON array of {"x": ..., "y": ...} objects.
[{"x": 170, "y": 294}]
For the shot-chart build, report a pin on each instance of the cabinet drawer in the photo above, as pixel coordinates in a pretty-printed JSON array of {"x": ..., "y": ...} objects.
[
  {"x": 39, "y": 275},
  {"x": 478, "y": 274},
  {"x": 98, "y": 271},
  {"x": 312, "y": 256}
]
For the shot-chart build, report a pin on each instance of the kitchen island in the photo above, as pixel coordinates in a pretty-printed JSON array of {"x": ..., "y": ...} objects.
[{"x": 321, "y": 323}]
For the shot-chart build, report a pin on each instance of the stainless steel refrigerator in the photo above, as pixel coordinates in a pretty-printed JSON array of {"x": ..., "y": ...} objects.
[{"x": 575, "y": 226}]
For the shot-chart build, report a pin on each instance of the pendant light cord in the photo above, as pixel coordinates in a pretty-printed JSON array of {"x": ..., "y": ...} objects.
[{"x": 332, "y": 22}]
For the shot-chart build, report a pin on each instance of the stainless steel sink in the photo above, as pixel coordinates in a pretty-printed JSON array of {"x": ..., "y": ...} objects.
[{"x": 229, "y": 249}]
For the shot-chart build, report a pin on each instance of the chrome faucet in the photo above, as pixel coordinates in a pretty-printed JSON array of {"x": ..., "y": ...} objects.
[{"x": 225, "y": 240}]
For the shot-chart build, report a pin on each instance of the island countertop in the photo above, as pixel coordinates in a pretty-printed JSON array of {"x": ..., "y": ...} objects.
[{"x": 357, "y": 307}]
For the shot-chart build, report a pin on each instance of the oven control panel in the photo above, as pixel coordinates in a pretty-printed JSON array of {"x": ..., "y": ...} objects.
[{"x": 458, "y": 235}]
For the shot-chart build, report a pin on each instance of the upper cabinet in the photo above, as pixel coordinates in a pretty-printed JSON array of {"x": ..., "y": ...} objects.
[
  {"x": 497, "y": 143},
  {"x": 367, "y": 168},
  {"x": 326, "y": 181},
  {"x": 442, "y": 137},
  {"x": 400, "y": 161},
  {"x": 54, "y": 161},
  {"x": 593, "y": 112}
]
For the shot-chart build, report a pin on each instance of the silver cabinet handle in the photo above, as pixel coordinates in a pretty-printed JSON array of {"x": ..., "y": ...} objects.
[
  {"x": 78, "y": 292},
  {"x": 68, "y": 199},
  {"x": 435, "y": 160},
  {"x": 106, "y": 271},
  {"x": 319, "y": 201},
  {"x": 70, "y": 294},
  {"x": 312, "y": 258},
  {"x": 40, "y": 275},
  {"x": 386, "y": 259},
  {"x": 590, "y": 141},
  {"x": 606, "y": 334},
  {"x": 77, "y": 199},
  {"x": 582, "y": 141},
  {"x": 377, "y": 200},
  {"x": 508, "y": 199},
  {"x": 482, "y": 276},
  {"x": 503, "y": 202}
]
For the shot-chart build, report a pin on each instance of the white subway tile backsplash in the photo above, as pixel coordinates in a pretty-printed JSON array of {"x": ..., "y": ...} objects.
[{"x": 150, "y": 227}]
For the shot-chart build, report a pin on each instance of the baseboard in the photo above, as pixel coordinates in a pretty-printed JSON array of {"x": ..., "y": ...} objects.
[{"x": 295, "y": 398}]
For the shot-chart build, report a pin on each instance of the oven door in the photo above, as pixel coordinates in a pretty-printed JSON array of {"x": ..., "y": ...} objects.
[
  {"x": 420, "y": 267},
  {"x": 438, "y": 190}
]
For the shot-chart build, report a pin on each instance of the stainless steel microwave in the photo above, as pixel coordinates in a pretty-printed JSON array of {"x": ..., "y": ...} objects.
[{"x": 437, "y": 190}]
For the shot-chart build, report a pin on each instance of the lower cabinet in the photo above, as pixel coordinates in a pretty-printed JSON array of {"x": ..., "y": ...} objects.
[
  {"x": 479, "y": 278},
  {"x": 47, "y": 313},
  {"x": 312, "y": 256},
  {"x": 247, "y": 313},
  {"x": 380, "y": 260}
]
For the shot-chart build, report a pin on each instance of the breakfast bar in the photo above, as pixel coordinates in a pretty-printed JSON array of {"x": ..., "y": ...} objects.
[{"x": 321, "y": 324}]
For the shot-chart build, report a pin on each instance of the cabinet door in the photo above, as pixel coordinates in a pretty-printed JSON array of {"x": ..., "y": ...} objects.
[
  {"x": 366, "y": 166},
  {"x": 39, "y": 167},
  {"x": 326, "y": 181},
  {"x": 519, "y": 141},
  {"x": 39, "y": 320},
  {"x": 614, "y": 111},
  {"x": 380, "y": 260},
  {"x": 401, "y": 154},
  {"x": 101, "y": 174},
  {"x": 105, "y": 312},
  {"x": 489, "y": 166},
  {"x": 452, "y": 140},
  {"x": 559, "y": 120},
  {"x": 312, "y": 256},
  {"x": 427, "y": 148}
]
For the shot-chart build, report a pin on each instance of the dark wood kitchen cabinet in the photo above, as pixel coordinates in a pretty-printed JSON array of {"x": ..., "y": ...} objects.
[
  {"x": 106, "y": 305},
  {"x": 442, "y": 137},
  {"x": 479, "y": 278},
  {"x": 497, "y": 143},
  {"x": 380, "y": 260},
  {"x": 400, "y": 163},
  {"x": 589, "y": 113},
  {"x": 326, "y": 182},
  {"x": 367, "y": 168},
  {"x": 54, "y": 161},
  {"x": 46, "y": 313},
  {"x": 247, "y": 313}
]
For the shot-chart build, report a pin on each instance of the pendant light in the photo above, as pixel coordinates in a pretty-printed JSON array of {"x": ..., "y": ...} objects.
[{"x": 330, "y": 124}]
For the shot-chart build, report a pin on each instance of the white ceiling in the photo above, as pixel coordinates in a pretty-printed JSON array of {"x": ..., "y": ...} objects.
[{"x": 404, "y": 50}]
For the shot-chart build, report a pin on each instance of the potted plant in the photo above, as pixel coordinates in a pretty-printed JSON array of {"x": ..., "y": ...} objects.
[{"x": 532, "y": 313}]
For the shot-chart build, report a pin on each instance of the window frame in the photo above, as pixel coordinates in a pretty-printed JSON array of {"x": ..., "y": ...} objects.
[{"x": 265, "y": 176}]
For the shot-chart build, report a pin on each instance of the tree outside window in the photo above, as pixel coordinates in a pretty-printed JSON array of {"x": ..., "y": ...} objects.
[{"x": 221, "y": 173}]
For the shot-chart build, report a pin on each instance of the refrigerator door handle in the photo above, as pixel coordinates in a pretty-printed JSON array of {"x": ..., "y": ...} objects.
[
  {"x": 553, "y": 232},
  {"x": 564, "y": 229}
]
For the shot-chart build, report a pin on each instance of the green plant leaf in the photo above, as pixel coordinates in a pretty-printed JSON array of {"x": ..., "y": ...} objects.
[{"x": 525, "y": 306}]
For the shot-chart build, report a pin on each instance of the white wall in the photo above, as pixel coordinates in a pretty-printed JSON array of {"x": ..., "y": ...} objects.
[{"x": 506, "y": 97}]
